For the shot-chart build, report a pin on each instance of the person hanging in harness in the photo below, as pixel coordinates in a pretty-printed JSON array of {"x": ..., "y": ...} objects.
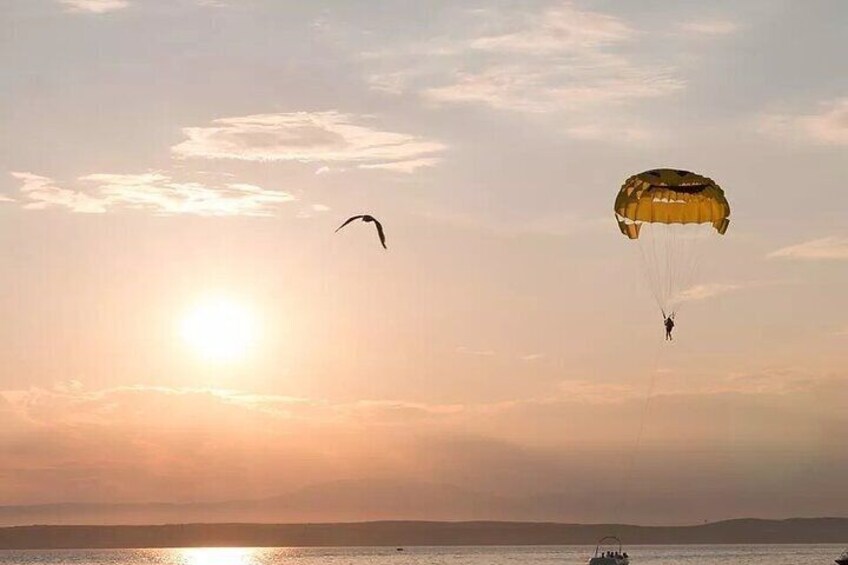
[{"x": 668, "y": 321}]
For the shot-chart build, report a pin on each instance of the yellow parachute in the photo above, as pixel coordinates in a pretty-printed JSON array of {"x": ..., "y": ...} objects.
[
  {"x": 666, "y": 211},
  {"x": 670, "y": 196}
]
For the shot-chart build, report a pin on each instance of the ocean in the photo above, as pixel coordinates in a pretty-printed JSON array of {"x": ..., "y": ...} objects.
[{"x": 526, "y": 555}]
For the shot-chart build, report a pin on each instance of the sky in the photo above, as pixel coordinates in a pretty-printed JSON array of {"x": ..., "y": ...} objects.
[{"x": 157, "y": 156}]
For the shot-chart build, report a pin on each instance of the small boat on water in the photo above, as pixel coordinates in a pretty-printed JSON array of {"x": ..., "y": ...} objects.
[
  {"x": 605, "y": 556},
  {"x": 842, "y": 559}
]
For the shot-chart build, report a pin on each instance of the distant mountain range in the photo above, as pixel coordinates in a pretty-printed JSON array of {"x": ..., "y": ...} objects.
[
  {"x": 341, "y": 501},
  {"x": 371, "y": 512},
  {"x": 748, "y": 531},
  {"x": 338, "y": 501}
]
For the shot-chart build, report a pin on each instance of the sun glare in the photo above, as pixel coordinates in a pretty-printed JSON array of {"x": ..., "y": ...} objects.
[
  {"x": 219, "y": 329},
  {"x": 217, "y": 556}
]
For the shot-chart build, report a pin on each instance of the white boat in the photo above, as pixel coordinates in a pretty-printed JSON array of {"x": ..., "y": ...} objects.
[
  {"x": 843, "y": 559},
  {"x": 605, "y": 556}
]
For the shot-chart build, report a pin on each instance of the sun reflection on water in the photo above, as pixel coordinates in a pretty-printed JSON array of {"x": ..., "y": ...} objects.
[{"x": 218, "y": 556}]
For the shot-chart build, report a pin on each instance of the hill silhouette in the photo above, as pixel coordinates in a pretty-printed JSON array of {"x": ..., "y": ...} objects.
[
  {"x": 338, "y": 501},
  {"x": 349, "y": 501},
  {"x": 749, "y": 531}
]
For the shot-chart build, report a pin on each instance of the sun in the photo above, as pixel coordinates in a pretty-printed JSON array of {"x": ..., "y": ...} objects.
[{"x": 219, "y": 329}]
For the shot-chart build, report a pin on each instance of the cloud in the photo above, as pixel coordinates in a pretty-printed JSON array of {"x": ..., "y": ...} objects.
[
  {"x": 41, "y": 192},
  {"x": 711, "y": 27},
  {"x": 832, "y": 248},
  {"x": 544, "y": 87},
  {"x": 313, "y": 209},
  {"x": 399, "y": 412},
  {"x": 532, "y": 357},
  {"x": 153, "y": 191},
  {"x": 560, "y": 60},
  {"x": 829, "y": 126},
  {"x": 94, "y": 6},
  {"x": 785, "y": 381},
  {"x": 394, "y": 82},
  {"x": 307, "y": 137},
  {"x": 404, "y": 166},
  {"x": 705, "y": 291},
  {"x": 143, "y": 443},
  {"x": 559, "y": 29}
]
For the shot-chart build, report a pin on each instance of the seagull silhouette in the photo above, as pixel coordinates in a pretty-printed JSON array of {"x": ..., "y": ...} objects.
[{"x": 367, "y": 218}]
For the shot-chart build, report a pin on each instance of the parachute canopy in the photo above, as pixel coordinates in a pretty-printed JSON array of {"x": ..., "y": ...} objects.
[
  {"x": 671, "y": 214},
  {"x": 670, "y": 196}
]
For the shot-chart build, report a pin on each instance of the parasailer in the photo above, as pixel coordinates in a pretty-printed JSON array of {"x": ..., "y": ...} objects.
[
  {"x": 668, "y": 322},
  {"x": 668, "y": 212}
]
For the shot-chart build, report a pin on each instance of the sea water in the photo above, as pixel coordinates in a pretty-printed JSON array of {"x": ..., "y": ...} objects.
[{"x": 525, "y": 555}]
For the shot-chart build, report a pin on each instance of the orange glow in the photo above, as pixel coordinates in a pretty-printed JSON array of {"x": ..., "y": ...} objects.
[{"x": 219, "y": 329}]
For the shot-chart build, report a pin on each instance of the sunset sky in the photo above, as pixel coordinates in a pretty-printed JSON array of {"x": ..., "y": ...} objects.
[{"x": 168, "y": 163}]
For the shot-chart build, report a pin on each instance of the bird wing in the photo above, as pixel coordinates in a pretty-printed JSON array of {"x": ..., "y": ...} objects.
[
  {"x": 349, "y": 220},
  {"x": 380, "y": 233}
]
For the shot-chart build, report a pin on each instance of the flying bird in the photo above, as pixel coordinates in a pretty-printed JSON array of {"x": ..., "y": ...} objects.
[{"x": 368, "y": 218}]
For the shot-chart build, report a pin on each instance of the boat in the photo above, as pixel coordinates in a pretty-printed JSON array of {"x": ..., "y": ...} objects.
[
  {"x": 842, "y": 559},
  {"x": 604, "y": 556}
]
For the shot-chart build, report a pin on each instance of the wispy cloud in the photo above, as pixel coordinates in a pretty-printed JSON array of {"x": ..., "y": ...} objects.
[
  {"x": 562, "y": 59},
  {"x": 710, "y": 27},
  {"x": 705, "y": 291},
  {"x": 313, "y": 210},
  {"x": 832, "y": 248},
  {"x": 71, "y": 402},
  {"x": 392, "y": 82},
  {"x": 320, "y": 137},
  {"x": 164, "y": 438},
  {"x": 94, "y": 6},
  {"x": 828, "y": 126},
  {"x": 153, "y": 191},
  {"x": 409, "y": 166},
  {"x": 532, "y": 357},
  {"x": 558, "y": 29},
  {"x": 42, "y": 192},
  {"x": 779, "y": 381}
]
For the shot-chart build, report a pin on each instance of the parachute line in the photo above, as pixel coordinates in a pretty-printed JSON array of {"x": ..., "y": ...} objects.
[
  {"x": 670, "y": 258},
  {"x": 630, "y": 463}
]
